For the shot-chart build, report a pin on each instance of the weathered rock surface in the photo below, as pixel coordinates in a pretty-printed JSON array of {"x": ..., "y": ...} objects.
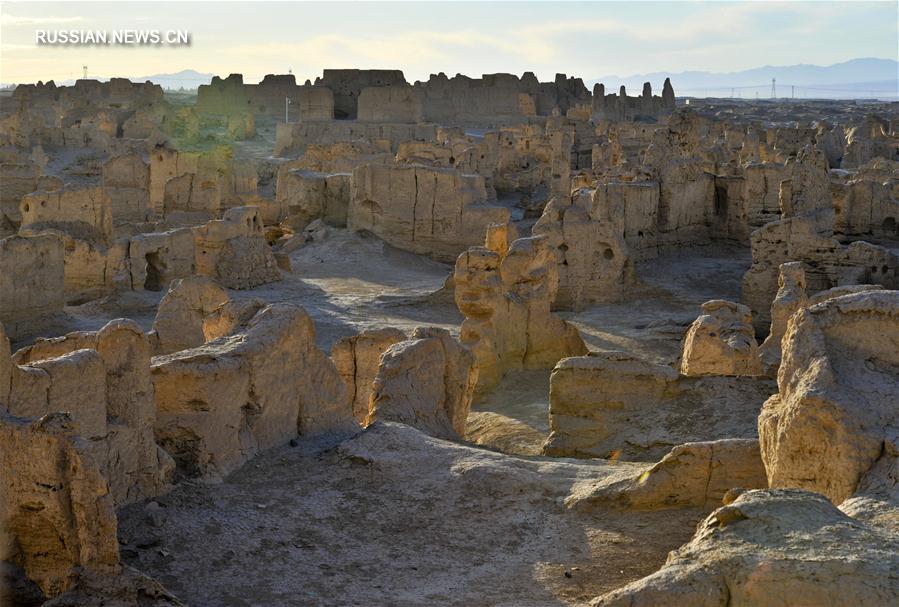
[
  {"x": 246, "y": 262},
  {"x": 791, "y": 296},
  {"x": 838, "y": 387},
  {"x": 32, "y": 278},
  {"x": 304, "y": 196},
  {"x": 506, "y": 295},
  {"x": 233, "y": 251},
  {"x": 56, "y": 511},
  {"x": 84, "y": 213},
  {"x": 102, "y": 378},
  {"x": 183, "y": 312},
  {"x": 693, "y": 474},
  {"x": 427, "y": 381},
  {"x": 357, "y": 359},
  {"x": 721, "y": 341},
  {"x": 586, "y": 231},
  {"x": 615, "y": 405},
  {"x": 435, "y": 212},
  {"x": 773, "y": 547},
  {"x": 876, "y": 498},
  {"x": 505, "y": 434},
  {"x": 126, "y": 180},
  {"x": 805, "y": 233},
  {"x": 220, "y": 403}
]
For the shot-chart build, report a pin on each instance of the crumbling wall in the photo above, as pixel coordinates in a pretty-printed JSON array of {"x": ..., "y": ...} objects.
[
  {"x": 586, "y": 234},
  {"x": 304, "y": 196},
  {"x": 19, "y": 179},
  {"x": 166, "y": 164},
  {"x": 436, "y": 212},
  {"x": 90, "y": 114},
  {"x": 293, "y": 138},
  {"x": 615, "y": 405},
  {"x": 761, "y": 182},
  {"x": 234, "y": 251},
  {"x": 869, "y": 209},
  {"x": 357, "y": 359},
  {"x": 192, "y": 195},
  {"x": 220, "y": 403},
  {"x": 792, "y": 297},
  {"x": 311, "y": 104},
  {"x": 157, "y": 258},
  {"x": 32, "y": 278},
  {"x": 94, "y": 263},
  {"x": 84, "y": 213},
  {"x": 805, "y": 233},
  {"x": 686, "y": 190},
  {"x": 126, "y": 180},
  {"x": 347, "y": 85},
  {"x": 622, "y": 107},
  {"x": 182, "y": 314},
  {"x": 497, "y": 99},
  {"x": 56, "y": 511},
  {"x": 721, "y": 341},
  {"x": 869, "y": 140},
  {"x": 231, "y": 97},
  {"x": 505, "y": 291},
  {"x": 586, "y": 392},
  {"x": 837, "y": 390},
  {"x": 102, "y": 378},
  {"x": 523, "y": 158},
  {"x": 204, "y": 183},
  {"x": 395, "y": 103},
  {"x": 427, "y": 381}
]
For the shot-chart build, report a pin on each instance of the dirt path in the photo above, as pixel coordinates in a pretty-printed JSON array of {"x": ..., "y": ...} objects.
[{"x": 394, "y": 517}]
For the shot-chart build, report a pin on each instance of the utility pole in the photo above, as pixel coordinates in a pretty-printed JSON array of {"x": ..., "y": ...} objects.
[
  {"x": 773, "y": 89},
  {"x": 793, "y": 91}
]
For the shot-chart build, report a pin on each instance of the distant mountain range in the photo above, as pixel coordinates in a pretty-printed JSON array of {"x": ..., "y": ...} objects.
[
  {"x": 857, "y": 78},
  {"x": 188, "y": 79}
]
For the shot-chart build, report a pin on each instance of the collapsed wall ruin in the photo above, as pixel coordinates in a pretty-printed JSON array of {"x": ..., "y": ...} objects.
[
  {"x": 836, "y": 373},
  {"x": 221, "y": 402},
  {"x": 505, "y": 290},
  {"x": 284, "y": 280},
  {"x": 437, "y": 212}
]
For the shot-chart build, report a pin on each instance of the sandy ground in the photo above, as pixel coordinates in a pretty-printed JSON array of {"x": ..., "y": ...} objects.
[{"x": 393, "y": 517}]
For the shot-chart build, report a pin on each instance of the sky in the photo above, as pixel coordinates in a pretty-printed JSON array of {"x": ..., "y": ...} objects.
[{"x": 586, "y": 39}]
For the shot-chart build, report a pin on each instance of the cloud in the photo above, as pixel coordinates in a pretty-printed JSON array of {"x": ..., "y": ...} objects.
[
  {"x": 717, "y": 20},
  {"x": 14, "y": 20}
]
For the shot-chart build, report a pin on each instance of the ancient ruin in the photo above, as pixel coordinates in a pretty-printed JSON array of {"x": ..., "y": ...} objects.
[{"x": 485, "y": 340}]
